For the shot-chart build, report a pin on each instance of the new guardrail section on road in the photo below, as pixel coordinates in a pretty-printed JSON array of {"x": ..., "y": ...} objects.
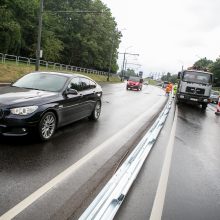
[{"x": 108, "y": 201}]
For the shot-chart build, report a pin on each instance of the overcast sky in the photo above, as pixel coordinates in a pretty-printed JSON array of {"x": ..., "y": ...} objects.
[{"x": 167, "y": 34}]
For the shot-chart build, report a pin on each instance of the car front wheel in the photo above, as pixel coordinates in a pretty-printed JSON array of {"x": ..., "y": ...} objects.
[
  {"x": 96, "y": 112},
  {"x": 47, "y": 126}
]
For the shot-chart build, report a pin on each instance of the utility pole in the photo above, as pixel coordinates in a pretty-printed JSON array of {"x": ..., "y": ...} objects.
[{"x": 39, "y": 35}]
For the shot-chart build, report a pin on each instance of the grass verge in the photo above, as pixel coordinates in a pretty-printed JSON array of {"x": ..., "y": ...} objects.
[{"x": 10, "y": 72}]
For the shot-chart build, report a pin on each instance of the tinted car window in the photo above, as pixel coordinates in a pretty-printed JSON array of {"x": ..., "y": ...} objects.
[
  {"x": 75, "y": 84},
  {"x": 85, "y": 83}
]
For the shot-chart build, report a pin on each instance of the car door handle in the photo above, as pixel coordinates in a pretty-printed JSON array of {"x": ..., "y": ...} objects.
[{"x": 80, "y": 95}]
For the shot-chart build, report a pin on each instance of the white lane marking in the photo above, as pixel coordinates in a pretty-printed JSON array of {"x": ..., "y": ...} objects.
[
  {"x": 158, "y": 205},
  {"x": 60, "y": 177}
]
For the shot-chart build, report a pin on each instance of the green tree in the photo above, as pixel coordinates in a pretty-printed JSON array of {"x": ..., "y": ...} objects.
[
  {"x": 215, "y": 69},
  {"x": 202, "y": 64},
  {"x": 130, "y": 72},
  {"x": 80, "y": 39},
  {"x": 10, "y": 32},
  {"x": 170, "y": 78}
]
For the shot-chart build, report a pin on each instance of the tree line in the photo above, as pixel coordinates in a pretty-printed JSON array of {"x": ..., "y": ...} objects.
[{"x": 75, "y": 32}]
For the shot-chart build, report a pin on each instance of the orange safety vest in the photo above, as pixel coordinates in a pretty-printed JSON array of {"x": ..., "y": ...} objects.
[{"x": 168, "y": 89}]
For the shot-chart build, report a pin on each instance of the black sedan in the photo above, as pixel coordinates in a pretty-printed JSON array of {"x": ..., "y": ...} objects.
[{"x": 44, "y": 101}]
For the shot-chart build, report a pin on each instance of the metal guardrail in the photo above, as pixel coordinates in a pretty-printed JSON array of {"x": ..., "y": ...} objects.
[
  {"x": 49, "y": 64},
  {"x": 108, "y": 201}
]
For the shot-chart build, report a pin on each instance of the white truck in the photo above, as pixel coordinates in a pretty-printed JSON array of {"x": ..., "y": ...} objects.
[{"x": 194, "y": 87}]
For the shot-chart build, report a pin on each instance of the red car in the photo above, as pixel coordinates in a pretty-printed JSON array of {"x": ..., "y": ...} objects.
[{"x": 134, "y": 82}]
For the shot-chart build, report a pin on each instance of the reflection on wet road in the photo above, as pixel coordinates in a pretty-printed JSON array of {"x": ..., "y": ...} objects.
[{"x": 194, "y": 190}]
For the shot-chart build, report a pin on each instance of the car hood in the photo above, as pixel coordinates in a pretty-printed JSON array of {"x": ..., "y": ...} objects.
[{"x": 10, "y": 95}]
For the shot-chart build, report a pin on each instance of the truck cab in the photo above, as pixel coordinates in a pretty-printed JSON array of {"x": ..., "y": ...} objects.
[{"x": 194, "y": 87}]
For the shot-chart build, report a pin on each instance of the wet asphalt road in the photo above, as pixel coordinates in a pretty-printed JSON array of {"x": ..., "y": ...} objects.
[
  {"x": 193, "y": 190},
  {"x": 26, "y": 164}
]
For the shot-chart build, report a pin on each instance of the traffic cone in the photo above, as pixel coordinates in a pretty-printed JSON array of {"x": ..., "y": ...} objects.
[{"x": 218, "y": 107}]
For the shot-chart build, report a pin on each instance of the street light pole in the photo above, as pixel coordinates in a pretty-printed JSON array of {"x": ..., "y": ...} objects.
[{"x": 39, "y": 35}]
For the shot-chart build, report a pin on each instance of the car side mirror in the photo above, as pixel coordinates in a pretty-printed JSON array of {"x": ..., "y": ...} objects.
[
  {"x": 141, "y": 80},
  {"x": 179, "y": 75},
  {"x": 71, "y": 92}
]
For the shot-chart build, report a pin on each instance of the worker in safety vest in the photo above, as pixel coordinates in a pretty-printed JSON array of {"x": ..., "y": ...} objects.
[
  {"x": 169, "y": 88},
  {"x": 174, "y": 90}
]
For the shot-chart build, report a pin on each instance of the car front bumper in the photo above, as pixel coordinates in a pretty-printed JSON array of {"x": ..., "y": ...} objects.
[
  {"x": 14, "y": 125},
  {"x": 133, "y": 86}
]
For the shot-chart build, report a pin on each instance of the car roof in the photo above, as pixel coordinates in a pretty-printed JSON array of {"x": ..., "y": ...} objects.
[{"x": 69, "y": 75}]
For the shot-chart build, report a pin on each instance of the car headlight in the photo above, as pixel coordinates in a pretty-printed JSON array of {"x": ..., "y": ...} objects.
[{"x": 23, "y": 110}]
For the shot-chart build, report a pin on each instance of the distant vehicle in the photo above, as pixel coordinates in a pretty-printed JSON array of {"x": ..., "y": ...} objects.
[
  {"x": 134, "y": 82},
  {"x": 44, "y": 101},
  {"x": 214, "y": 96},
  {"x": 194, "y": 87}
]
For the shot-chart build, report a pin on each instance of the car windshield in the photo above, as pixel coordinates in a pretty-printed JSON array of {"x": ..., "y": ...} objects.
[
  {"x": 197, "y": 77},
  {"x": 134, "y": 79},
  {"x": 42, "y": 81}
]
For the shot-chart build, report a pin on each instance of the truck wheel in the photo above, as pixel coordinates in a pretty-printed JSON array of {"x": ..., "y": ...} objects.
[
  {"x": 177, "y": 101},
  {"x": 204, "y": 106}
]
